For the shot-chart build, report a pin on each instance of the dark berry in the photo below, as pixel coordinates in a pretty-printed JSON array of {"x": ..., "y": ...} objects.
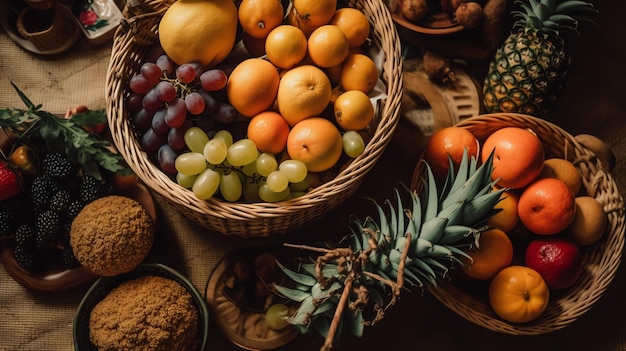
[
  {"x": 24, "y": 257},
  {"x": 74, "y": 209},
  {"x": 6, "y": 222},
  {"x": 56, "y": 167},
  {"x": 41, "y": 191},
  {"x": 25, "y": 236},
  {"x": 48, "y": 224},
  {"x": 90, "y": 189},
  {"x": 60, "y": 201}
]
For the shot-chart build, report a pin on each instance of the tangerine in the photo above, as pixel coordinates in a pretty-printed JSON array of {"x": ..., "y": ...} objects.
[
  {"x": 449, "y": 142},
  {"x": 188, "y": 25},
  {"x": 507, "y": 219},
  {"x": 252, "y": 86},
  {"x": 353, "y": 110},
  {"x": 494, "y": 253},
  {"x": 259, "y": 17},
  {"x": 518, "y": 156},
  {"x": 269, "y": 131},
  {"x": 546, "y": 206},
  {"x": 359, "y": 72},
  {"x": 316, "y": 142},
  {"x": 310, "y": 14},
  {"x": 286, "y": 46},
  {"x": 328, "y": 46},
  {"x": 353, "y": 23},
  {"x": 303, "y": 92},
  {"x": 518, "y": 294}
]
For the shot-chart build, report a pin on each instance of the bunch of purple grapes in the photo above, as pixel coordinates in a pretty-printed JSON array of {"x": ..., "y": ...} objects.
[{"x": 166, "y": 99}]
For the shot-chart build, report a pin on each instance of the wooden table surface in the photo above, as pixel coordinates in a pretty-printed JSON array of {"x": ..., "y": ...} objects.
[{"x": 594, "y": 102}]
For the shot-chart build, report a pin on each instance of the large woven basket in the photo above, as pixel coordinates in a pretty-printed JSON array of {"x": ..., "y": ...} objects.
[
  {"x": 131, "y": 42},
  {"x": 600, "y": 261}
]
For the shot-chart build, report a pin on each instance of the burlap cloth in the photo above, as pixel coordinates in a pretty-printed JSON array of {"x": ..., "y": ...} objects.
[{"x": 594, "y": 102}]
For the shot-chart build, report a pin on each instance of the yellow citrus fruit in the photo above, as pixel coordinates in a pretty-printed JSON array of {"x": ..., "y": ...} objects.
[
  {"x": 353, "y": 110},
  {"x": 286, "y": 46},
  {"x": 353, "y": 23},
  {"x": 316, "y": 142},
  {"x": 507, "y": 219},
  {"x": 590, "y": 221},
  {"x": 493, "y": 254},
  {"x": 310, "y": 14},
  {"x": 259, "y": 17},
  {"x": 518, "y": 294},
  {"x": 188, "y": 25},
  {"x": 328, "y": 46},
  {"x": 252, "y": 86},
  {"x": 303, "y": 92},
  {"x": 564, "y": 170},
  {"x": 359, "y": 72},
  {"x": 268, "y": 130}
]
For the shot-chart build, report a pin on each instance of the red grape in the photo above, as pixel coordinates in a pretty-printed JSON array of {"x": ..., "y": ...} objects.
[
  {"x": 142, "y": 120},
  {"x": 176, "y": 136},
  {"x": 213, "y": 79},
  {"x": 186, "y": 73},
  {"x": 176, "y": 113},
  {"x": 194, "y": 103},
  {"x": 151, "y": 142},
  {"x": 139, "y": 84},
  {"x": 159, "y": 125},
  {"x": 165, "y": 91},
  {"x": 151, "y": 101},
  {"x": 167, "y": 158},
  {"x": 166, "y": 64},
  {"x": 152, "y": 72}
]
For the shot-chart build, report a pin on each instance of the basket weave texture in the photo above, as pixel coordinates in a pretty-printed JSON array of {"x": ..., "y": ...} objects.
[
  {"x": 133, "y": 40},
  {"x": 600, "y": 261}
]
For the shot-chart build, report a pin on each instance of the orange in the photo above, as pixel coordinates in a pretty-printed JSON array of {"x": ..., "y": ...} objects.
[
  {"x": 269, "y": 131},
  {"x": 507, "y": 219},
  {"x": 316, "y": 142},
  {"x": 286, "y": 46},
  {"x": 494, "y": 253},
  {"x": 353, "y": 110},
  {"x": 449, "y": 142},
  {"x": 359, "y": 72},
  {"x": 252, "y": 86},
  {"x": 518, "y": 158},
  {"x": 254, "y": 46},
  {"x": 564, "y": 170},
  {"x": 518, "y": 294},
  {"x": 546, "y": 206},
  {"x": 590, "y": 222},
  {"x": 328, "y": 46},
  {"x": 353, "y": 23},
  {"x": 259, "y": 17},
  {"x": 310, "y": 14},
  {"x": 303, "y": 92},
  {"x": 188, "y": 25}
]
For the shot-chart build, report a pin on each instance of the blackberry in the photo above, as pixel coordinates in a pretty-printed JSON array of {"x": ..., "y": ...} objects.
[
  {"x": 24, "y": 257},
  {"x": 73, "y": 209},
  {"x": 56, "y": 167},
  {"x": 60, "y": 201},
  {"x": 25, "y": 236},
  {"x": 41, "y": 191},
  {"x": 90, "y": 189},
  {"x": 6, "y": 222},
  {"x": 48, "y": 224}
]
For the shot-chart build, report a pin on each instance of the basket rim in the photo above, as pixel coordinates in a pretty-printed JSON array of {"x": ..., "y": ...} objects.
[
  {"x": 345, "y": 182},
  {"x": 565, "y": 306}
]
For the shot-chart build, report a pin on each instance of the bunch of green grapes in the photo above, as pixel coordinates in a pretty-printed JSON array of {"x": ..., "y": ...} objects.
[{"x": 236, "y": 170}]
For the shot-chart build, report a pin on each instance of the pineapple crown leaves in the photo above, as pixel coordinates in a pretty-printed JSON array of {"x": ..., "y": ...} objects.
[
  {"x": 65, "y": 135},
  {"x": 553, "y": 16},
  {"x": 416, "y": 241}
]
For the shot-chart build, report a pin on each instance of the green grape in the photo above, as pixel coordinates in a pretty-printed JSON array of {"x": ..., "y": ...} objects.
[
  {"x": 296, "y": 170},
  {"x": 242, "y": 152},
  {"x": 266, "y": 163},
  {"x": 184, "y": 180},
  {"x": 295, "y": 194},
  {"x": 190, "y": 163},
  {"x": 206, "y": 184},
  {"x": 303, "y": 185},
  {"x": 230, "y": 186},
  {"x": 353, "y": 144},
  {"x": 251, "y": 192},
  {"x": 276, "y": 316},
  {"x": 215, "y": 151},
  {"x": 224, "y": 135},
  {"x": 268, "y": 195},
  {"x": 277, "y": 181},
  {"x": 195, "y": 139},
  {"x": 249, "y": 169}
]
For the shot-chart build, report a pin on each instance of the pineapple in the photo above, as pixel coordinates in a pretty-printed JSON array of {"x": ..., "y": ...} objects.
[
  {"x": 350, "y": 287},
  {"x": 528, "y": 70}
]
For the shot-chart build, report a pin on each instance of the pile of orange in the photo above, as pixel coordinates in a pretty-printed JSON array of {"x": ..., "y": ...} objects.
[
  {"x": 313, "y": 75},
  {"x": 544, "y": 197}
]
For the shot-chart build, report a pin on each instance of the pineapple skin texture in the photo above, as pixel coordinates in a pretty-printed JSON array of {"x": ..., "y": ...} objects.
[{"x": 526, "y": 75}]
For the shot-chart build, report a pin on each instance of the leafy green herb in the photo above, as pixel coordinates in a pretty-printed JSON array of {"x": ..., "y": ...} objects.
[{"x": 65, "y": 136}]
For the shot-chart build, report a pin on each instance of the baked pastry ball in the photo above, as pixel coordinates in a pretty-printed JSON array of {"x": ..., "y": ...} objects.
[{"x": 112, "y": 235}]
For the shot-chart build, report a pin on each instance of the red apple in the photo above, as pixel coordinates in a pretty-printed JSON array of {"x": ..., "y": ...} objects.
[{"x": 558, "y": 260}]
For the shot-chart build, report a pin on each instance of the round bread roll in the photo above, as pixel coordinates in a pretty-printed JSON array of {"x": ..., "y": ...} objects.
[{"x": 112, "y": 235}]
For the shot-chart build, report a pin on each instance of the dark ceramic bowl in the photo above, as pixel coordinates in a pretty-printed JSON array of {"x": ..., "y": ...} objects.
[{"x": 104, "y": 285}]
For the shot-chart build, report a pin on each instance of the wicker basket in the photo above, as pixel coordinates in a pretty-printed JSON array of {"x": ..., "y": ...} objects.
[
  {"x": 131, "y": 42},
  {"x": 601, "y": 260}
]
